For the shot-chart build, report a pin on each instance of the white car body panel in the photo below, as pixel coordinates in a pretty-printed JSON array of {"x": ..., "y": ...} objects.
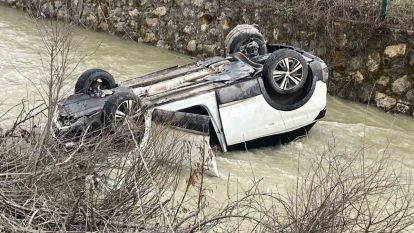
[
  {"x": 254, "y": 118},
  {"x": 249, "y": 119},
  {"x": 306, "y": 114}
]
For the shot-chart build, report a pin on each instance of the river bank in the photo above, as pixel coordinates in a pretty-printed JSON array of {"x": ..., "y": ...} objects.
[{"x": 368, "y": 65}]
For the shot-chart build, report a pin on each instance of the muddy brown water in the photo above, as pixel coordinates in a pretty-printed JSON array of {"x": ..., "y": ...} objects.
[{"x": 346, "y": 123}]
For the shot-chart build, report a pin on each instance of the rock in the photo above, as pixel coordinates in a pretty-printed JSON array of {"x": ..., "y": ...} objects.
[
  {"x": 402, "y": 108},
  {"x": 189, "y": 29},
  {"x": 133, "y": 13},
  {"x": 152, "y": 22},
  {"x": 170, "y": 24},
  {"x": 161, "y": 44},
  {"x": 364, "y": 93},
  {"x": 401, "y": 85},
  {"x": 383, "y": 81},
  {"x": 226, "y": 24},
  {"x": 410, "y": 95},
  {"x": 358, "y": 77},
  {"x": 103, "y": 26},
  {"x": 396, "y": 68},
  {"x": 91, "y": 19},
  {"x": 150, "y": 37},
  {"x": 160, "y": 11},
  {"x": 211, "y": 49},
  {"x": 356, "y": 63},
  {"x": 188, "y": 12},
  {"x": 276, "y": 34},
  {"x": 191, "y": 46},
  {"x": 395, "y": 50},
  {"x": 342, "y": 40},
  {"x": 373, "y": 62},
  {"x": 118, "y": 12},
  {"x": 204, "y": 27},
  {"x": 119, "y": 27},
  {"x": 384, "y": 101},
  {"x": 198, "y": 3},
  {"x": 179, "y": 2}
]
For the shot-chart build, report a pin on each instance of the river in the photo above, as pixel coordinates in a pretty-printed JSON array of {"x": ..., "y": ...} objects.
[{"x": 346, "y": 123}]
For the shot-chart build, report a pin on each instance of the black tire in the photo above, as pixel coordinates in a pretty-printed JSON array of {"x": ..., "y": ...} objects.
[
  {"x": 117, "y": 101},
  {"x": 88, "y": 77},
  {"x": 275, "y": 63},
  {"x": 242, "y": 35}
]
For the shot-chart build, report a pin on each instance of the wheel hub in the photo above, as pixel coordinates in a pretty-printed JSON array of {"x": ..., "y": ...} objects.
[{"x": 288, "y": 73}]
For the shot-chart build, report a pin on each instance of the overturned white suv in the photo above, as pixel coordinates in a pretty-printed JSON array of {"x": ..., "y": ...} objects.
[{"x": 257, "y": 90}]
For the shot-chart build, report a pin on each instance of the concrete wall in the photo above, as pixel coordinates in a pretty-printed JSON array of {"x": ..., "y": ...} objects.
[{"x": 367, "y": 64}]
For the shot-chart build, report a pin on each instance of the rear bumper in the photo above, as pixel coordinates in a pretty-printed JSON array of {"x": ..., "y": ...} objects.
[{"x": 321, "y": 115}]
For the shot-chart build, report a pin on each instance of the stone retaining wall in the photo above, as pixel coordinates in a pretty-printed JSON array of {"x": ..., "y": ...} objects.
[{"x": 367, "y": 64}]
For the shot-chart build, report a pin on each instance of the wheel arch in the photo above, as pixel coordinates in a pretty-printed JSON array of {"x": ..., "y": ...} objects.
[
  {"x": 214, "y": 129},
  {"x": 311, "y": 85}
]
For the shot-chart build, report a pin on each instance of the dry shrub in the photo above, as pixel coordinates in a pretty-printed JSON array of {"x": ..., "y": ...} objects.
[
  {"x": 338, "y": 192},
  {"x": 107, "y": 183},
  {"x": 365, "y": 12}
]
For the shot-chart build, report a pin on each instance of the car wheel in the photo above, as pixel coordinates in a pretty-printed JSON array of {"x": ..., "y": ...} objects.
[
  {"x": 246, "y": 39},
  {"x": 89, "y": 77},
  {"x": 286, "y": 71},
  {"x": 119, "y": 107}
]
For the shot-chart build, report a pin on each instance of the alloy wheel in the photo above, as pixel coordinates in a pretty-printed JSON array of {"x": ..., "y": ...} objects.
[{"x": 288, "y": 73}]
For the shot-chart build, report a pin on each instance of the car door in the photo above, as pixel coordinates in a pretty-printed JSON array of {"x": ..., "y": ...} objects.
[{"x": 245, "y": 114}]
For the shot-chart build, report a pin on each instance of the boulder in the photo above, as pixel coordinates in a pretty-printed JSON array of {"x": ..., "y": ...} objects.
[
  {"x": 342, "y": 40},
  {"x": 401, "y": 85},
  {"x": 152, "y": 22},
  {"x": 160, "y": 11},
  {"x": 395, "y": 50},
  {"x": 225, "y": 24},
  {"x": 179, "y": 2},
  {"x": 364, "y": 93},
  {"x": 91, "y": 19},
  {"x": 210, "y": 49},
  {"x": 133, "y": 13},
  {"x": 373, "y": 62},
  {"x": 150, "y": 37},
  {"x": 410, "y": 95},
  {"x": 161, "y": 44},
  {"x": 276, "y": 34},
  {"x": 383, "y": 81},
  {"x": 402, "y": 107},
  {"x": 358, "y": 77},
  {"x": 198, "y": 3},
  {"x": 191, "y": 46},
  {"x": 384, "y": 101},
  {"x": 103, "y": 26},
  {"x": 189, "y": 29},
  {"x": 204, "y": 27}
]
